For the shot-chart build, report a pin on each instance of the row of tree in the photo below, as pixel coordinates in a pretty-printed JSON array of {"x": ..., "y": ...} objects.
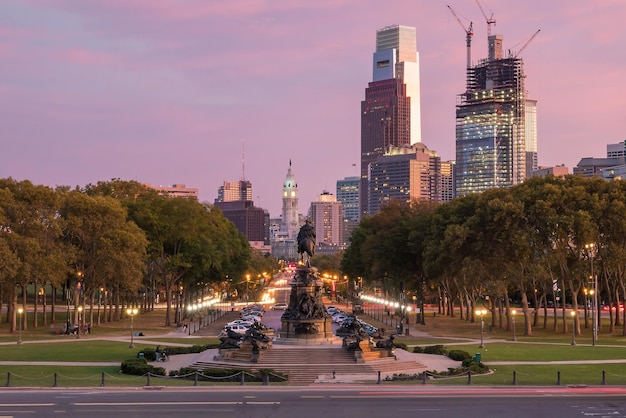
[
  {"x": 535, "y": 243},
  {"x": 114, "y": 244}
]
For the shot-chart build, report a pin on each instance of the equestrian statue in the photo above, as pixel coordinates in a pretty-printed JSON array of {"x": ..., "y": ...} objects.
[{"x": 306, "y": 242}]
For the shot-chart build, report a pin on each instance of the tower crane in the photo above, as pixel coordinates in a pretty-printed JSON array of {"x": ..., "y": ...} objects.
[
  {"x": 469, "y": 32},
  {"x": 519, "y": 51},
  {"x": 490, "y": 20}
]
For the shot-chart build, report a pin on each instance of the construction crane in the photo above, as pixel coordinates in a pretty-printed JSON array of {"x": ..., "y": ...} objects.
[
  {"x": 469, "y": 32},
  {"x": 490, "y": 20},
  {"x": 519, "y": 51}
]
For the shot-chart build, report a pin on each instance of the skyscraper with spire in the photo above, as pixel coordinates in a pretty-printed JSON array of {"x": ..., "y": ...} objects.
[{"x": 390, "y": 113}]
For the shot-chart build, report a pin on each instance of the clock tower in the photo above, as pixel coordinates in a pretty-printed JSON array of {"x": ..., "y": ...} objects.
[{"x": 289, "y": 225}]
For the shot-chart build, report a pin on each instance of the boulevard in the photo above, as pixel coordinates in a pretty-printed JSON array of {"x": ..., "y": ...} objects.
[{"x": 327, "y": 401}]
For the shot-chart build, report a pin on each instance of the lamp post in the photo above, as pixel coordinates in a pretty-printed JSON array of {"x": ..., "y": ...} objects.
[
  {"x": 481, "y": 313},
  {"x": 20, "y": 311},
  {"x": 573, "y": 315},
  {"x": 513, "y": 312},
  {"x": 408, "y": 310},
  {"x": 80, "y": 310},
  {"x": 247, "y": 288},
  {"x": 132, "y": 312},
  {"x": 591, "y": 248},
  {"x": 68, "y": 323}
]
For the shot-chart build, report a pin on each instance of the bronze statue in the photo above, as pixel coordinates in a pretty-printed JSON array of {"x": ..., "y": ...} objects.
[{"x": 306, "y": 241}]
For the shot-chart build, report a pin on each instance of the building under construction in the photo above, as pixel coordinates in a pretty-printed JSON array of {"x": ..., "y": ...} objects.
[{"x": 493, "y": 148}]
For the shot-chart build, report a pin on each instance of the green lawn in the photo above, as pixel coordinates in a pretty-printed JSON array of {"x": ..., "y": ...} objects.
[
  {"x": 44, "y": 376},
  {"x": 541, "y": 352},
  {"x": 542, "y": 375}
]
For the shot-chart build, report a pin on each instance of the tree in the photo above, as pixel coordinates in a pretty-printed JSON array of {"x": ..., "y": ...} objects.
[
  {"x": 109, "y": 250},
  {"x": 31, "y": 230}
]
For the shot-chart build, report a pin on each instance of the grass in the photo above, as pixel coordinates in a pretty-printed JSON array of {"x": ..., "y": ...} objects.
[
  {"x": 545, "y": 375},
  {"x": 88, "y": 376},
  {"x": 541, "y": 352}
]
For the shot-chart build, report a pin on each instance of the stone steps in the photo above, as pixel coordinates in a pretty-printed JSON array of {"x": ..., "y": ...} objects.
[{"x": 304, "y": 365}]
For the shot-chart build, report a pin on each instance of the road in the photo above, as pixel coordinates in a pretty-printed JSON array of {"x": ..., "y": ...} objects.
[{"x": 327, "y": 401}]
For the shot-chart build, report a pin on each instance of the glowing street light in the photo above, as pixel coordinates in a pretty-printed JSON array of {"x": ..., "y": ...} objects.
[
  {"x": 247, "y": 288},
  {"x": 132, "y": 312},
  {"x": 20, "y": 311},
  {"x": 591, "y": 248},
  {"x": 573, "y": 315},
  {"x": 80, "y": 310},
  {"x": 481, "y": 313},
  {"x": 513, "y": 312}
]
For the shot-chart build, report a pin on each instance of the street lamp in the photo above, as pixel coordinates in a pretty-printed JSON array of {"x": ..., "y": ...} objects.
[
  {"x": 80, "y": 310},
  {"x": 591, "y": 248},
  {"x": 407, "y": 309},
  {"x": 132, "y": 312},
  {"x": 20, "y": 311},
  {"x": 513, "y": 312},
  {"x": 481, "y": 313},
  {"x": 573, "y": 314},
  {"x": 247, "y": 288}
]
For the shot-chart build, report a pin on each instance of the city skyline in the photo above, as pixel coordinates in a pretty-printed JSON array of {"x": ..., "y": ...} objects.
[{"x": 167, "y": 92}]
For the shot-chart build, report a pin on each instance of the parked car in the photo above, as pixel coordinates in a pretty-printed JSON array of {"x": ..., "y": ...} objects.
[
  {"x": 254, "y": 318},
  {"x": 280, "y": 307},
  {"x": 239, "y": 329},
  {"x": 331, "y": 309},
  {"x": 340, "y": 318},
  {"x": 240, "y": 322}
]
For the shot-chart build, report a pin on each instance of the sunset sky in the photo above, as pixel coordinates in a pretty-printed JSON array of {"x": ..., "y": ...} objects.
[{"x": 168, "y": 91}]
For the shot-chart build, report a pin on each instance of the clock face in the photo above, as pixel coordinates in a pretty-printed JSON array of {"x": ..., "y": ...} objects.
[
  {"x": 293, "y": 194},
  {"x": 285, "y": 194}
]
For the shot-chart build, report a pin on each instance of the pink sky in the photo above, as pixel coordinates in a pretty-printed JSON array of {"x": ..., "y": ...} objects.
[{"x": 167, "y": 91}]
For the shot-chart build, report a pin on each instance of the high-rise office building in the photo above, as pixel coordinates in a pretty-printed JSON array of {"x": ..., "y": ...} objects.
[
  {"x": 390, "y": 113},
  {"x": 616, "y": 150},
  {"x": 326, "y": 215},
  {"x": 446, "y": 181},
  {"x": 404, "y": 174},
  {"x": 530, "y": 115},
  {"x": 232, "y": 191},
  {"x": 175, "y": 190},
  {"x": 492, "y": 146},
  {"x": 348, "y": 195},
  {"x": 251, "y": 221}
]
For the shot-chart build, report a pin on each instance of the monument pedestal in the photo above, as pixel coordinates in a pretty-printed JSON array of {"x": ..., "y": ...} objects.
[
  {"x": 306, "y": 320},
  {"x": 293, "y": 328}
]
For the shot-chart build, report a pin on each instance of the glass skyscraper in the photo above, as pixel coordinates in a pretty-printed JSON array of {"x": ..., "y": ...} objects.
[
  {"x": 390, "y": 113},
  {"x": 492, "y": 147}
]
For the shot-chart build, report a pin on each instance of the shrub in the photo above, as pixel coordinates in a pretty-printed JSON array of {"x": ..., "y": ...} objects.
[
  {"x": 459, "y": 355},
  {"x": 417, "y": 349},
  {"x": 149, "y": 354},
  {"x": 400, "y": 345},
  {"x": 139, "y": 367},
  {"x": 435, "y": 349}
]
